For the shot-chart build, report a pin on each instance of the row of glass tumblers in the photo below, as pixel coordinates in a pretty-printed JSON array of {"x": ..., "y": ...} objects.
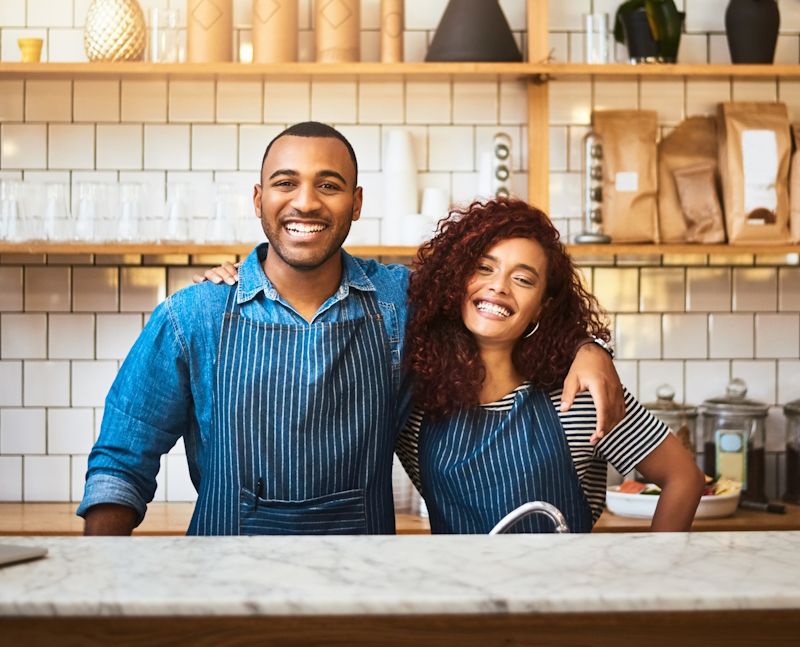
[{"x": 126, "y": 212}]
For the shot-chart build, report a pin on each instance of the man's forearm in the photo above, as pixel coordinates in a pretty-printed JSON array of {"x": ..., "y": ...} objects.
[{"x": 109, "y": 519}]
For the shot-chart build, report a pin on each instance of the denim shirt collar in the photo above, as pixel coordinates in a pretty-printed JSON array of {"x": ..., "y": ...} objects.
[{"x": 253, "y": 280}]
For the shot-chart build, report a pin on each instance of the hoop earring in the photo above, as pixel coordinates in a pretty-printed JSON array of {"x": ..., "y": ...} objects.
[{"x": 530, "y": 334}]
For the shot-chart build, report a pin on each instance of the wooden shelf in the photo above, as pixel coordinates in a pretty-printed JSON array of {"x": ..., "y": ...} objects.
[
  {"x": 562, "y": 70},
  {"x": 534, "y": 71},
  {"x": 384, "y": 250},
  {"x": 681, "y": 250},
  {"x": 179, "y": 248},
  {"x": 263, "y": 70}
]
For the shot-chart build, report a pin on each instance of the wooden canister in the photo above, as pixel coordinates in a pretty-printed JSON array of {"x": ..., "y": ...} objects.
[
  {"x": 338, "y": 31},
  {"x": 209, "y": 31},
  {"x": 392, "y": 21},
  {"x": 274, "y": 31}
]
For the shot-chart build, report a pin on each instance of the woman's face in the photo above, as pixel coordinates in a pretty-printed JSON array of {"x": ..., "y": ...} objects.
[{"x": 504, "y": 296}]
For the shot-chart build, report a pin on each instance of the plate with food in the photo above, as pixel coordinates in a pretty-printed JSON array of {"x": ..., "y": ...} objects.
[{"x": 633, "y": 499}]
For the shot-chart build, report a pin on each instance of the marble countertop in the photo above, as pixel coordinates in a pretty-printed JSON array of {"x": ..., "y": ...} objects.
[{"x": 263, "y": 576}]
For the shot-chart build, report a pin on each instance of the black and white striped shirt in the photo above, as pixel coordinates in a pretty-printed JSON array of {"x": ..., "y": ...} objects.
[{"x": 630, "y": 442}]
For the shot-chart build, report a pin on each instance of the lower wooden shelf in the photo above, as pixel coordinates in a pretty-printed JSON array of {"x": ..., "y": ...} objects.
[
  {"x": 173, "y": 519},
  {"x": 239, "y": 249}
]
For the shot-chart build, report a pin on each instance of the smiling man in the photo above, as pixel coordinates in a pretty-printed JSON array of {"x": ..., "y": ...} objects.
[{"x": 285, "y": 387}]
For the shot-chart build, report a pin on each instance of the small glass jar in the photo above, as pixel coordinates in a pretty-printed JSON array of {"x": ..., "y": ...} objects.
[
  {"x": 792, "y": 413},
  {"x": 680, "y": 418},
  {"x": 734, "y": 438}
]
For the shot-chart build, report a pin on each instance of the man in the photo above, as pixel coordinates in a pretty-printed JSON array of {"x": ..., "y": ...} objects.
[{"x": 286, "y": 388}]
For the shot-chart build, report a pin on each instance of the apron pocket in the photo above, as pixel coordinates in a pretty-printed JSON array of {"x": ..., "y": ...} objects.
[{"x": 340, "y": 513}]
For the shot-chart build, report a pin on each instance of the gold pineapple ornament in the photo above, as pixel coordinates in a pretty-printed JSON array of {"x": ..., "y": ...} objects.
[{"x": 115, "y": 31}]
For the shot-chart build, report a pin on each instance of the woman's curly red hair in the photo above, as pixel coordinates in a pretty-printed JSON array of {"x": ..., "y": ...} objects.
[{"x": 442, "y": 354}]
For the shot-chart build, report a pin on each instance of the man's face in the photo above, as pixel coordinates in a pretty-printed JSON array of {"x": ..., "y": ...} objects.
[{"x": 307, "y": 199}]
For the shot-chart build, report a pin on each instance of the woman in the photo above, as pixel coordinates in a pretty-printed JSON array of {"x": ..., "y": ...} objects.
[{"x": 497, "y": 309}]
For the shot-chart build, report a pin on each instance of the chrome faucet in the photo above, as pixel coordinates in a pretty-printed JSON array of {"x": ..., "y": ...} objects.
[{"x": 526, "y": 510}]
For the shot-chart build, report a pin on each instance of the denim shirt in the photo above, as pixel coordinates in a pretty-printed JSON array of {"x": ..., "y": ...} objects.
[{"x": 165, "y": 386}]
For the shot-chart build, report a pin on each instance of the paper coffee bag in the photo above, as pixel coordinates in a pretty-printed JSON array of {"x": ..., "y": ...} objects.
[
  {"x": 754, "y": 153},
  {"x": 794, "y": 187},
  {"x": 689, "y": 209},
  {"x": 630, "y": 183}
]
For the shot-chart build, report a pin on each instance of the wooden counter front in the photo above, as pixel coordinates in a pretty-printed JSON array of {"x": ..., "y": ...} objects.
[
  {"x": 173, "y": 519},
  {"x": 161, "y": 519}
]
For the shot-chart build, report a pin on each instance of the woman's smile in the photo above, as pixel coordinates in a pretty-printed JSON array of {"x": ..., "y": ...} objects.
[{"x": 492, "y": 309}]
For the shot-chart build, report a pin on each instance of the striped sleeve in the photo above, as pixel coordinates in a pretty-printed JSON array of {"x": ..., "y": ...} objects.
[
  {"x": 634, "y": 438},
  {"x": 407, "y": 447}
]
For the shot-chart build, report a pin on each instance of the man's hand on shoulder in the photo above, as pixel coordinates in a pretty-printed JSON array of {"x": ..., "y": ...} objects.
[
  {"x": 593, "y": 370},
  {"x": 109, "y": 519}
]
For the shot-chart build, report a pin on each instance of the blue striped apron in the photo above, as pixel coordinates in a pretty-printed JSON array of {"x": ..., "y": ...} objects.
[
  {"x": 478, "y": 465},
  {"x": 301, "y": 440}
]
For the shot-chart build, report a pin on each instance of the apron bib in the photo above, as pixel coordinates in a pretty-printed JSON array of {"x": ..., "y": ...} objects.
[
  {"x": 479, "y": 465},
  {"x": 301, "y": 440}
]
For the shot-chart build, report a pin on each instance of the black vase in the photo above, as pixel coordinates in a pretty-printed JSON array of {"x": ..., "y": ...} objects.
[
  {"x": 642, "y": 46},
  {"x": 752, "y": 29},
  {"x": 473, "y": 30}
]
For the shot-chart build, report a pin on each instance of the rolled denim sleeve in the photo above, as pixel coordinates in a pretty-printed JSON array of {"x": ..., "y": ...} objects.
[{"x": 147, "y": 409}]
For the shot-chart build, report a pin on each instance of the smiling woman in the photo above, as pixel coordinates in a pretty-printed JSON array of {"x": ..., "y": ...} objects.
[{"x": 498, "y": 310}]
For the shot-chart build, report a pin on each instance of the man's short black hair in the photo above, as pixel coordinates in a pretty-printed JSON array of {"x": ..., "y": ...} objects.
[{"x": 314, "y": 129}]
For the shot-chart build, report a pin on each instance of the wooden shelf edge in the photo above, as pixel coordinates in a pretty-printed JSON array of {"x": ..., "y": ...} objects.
[
  {"x": 386, "y": 250},
  {"x": 223, "y": 70},
  {"x": 370, "y": 69},
  {"x": 114, "y": 249},
  {"x": 670, "y": 70}
]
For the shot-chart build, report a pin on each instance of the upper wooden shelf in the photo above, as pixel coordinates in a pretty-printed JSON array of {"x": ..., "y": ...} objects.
[
  {"x": 261, "y": 70},
  {"x": 561, "y": 70},
  {"x": 384, "y": 250},
  {"x": 536, "y": 71}
]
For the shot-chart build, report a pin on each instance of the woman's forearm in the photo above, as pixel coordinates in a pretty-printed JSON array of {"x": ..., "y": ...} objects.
[{"x": 676, "y": 505}]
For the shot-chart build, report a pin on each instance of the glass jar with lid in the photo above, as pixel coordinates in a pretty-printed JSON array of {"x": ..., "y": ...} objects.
[
  {"x": 680, "y": 418},
  {"x": 792, "y": 413},
  {"x": 734, "y": 438}
]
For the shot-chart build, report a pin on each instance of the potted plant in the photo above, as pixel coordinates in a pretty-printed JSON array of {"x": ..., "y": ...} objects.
[{"x": 651, "y": 29}]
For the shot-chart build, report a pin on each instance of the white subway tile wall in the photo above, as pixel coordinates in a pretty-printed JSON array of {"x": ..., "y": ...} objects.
[{"x": 67, "y": 321}]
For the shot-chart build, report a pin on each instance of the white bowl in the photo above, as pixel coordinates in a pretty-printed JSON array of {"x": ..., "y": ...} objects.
[{"x": 643, "y": 506}]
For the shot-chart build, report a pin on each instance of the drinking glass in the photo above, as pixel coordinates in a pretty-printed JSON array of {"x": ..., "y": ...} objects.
[
  {"x": 221, "y": 227},
  {"x": 597, "y": 38},
  {"x": 12, "y": 224},
  {"x": 176, "y": 221},
  {"x": 163, "y": 43},
  {"x": 55, "y": 217},
  {"x": 129, "y": 214},
  {"x": 89, "y": 200}
]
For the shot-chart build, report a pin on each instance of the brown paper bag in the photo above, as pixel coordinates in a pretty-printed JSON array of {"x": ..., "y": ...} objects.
[
  {"x": 754, "y": 153},
  {"x": 690, "y": 212},
  {"x": 794, "y": 187},
  {"x": 630, "y": 183}
]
